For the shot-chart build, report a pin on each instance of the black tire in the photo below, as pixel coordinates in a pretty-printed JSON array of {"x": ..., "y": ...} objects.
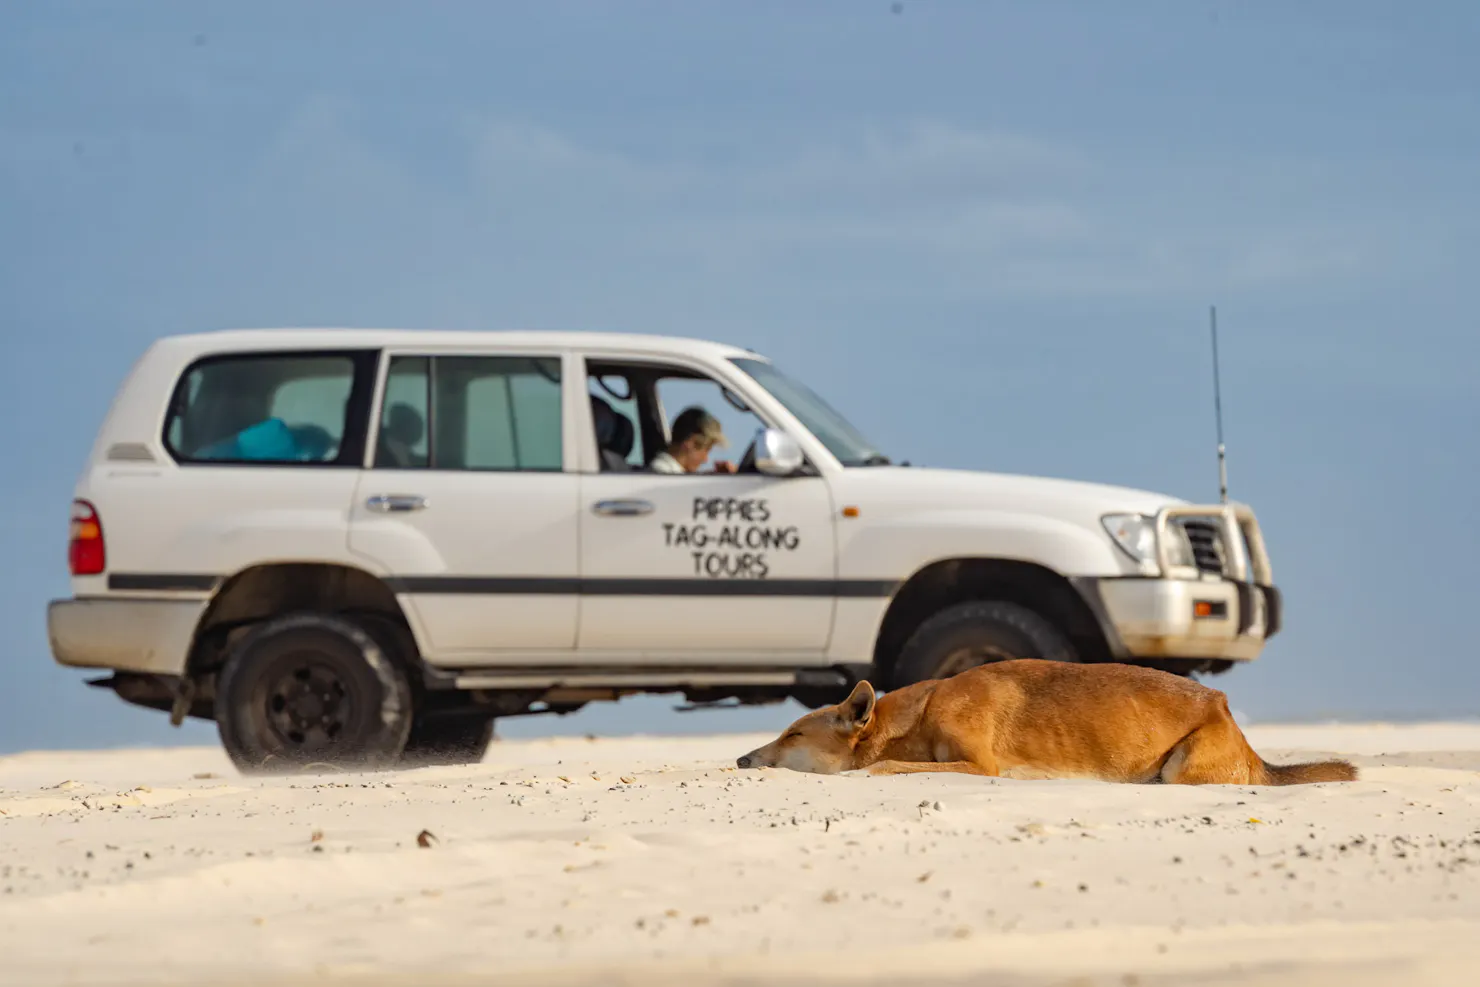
[
  {"x": 311, "y": 688},
  {"x": 977, "y": 632},
  {"x": 448, "y": 740}
]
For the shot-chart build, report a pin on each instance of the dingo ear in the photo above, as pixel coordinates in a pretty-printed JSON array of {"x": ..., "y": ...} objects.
[{"x": 858, "y": 708}]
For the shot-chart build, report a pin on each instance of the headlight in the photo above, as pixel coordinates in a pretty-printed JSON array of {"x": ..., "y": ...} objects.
[
  {"x": 1134, "y": 533},
  {"x": 1136, "y": 536}
]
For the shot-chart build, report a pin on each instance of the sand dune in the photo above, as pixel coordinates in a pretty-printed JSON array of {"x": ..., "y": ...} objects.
[{"x": 648, "y": 861}]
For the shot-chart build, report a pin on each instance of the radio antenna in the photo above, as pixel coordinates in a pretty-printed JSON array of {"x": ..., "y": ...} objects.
[{"x": 1218, "y": 410}]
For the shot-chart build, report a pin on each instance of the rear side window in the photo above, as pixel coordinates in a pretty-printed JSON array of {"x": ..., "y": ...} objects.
[
  {"x": 304, "y": 409},
  {"x": 471, "y": 413}
]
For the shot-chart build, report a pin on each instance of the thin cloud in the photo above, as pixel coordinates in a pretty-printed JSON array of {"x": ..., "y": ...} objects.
[{"x": 880, "y": 213}]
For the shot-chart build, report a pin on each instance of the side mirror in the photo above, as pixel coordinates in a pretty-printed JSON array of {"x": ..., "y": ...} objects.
[{"x": 776, "y": 453}]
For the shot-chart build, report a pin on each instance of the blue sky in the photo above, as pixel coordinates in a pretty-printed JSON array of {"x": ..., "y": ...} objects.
[{"x": 989, "y": 232}]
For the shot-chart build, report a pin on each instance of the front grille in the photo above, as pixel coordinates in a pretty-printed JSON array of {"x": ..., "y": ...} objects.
[{"x": 1206, "y": 538}]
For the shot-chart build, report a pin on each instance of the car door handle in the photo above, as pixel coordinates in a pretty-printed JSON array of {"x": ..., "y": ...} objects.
[
  {"x": 386, "y": 503},
  {"x": 622, "y": 508}
]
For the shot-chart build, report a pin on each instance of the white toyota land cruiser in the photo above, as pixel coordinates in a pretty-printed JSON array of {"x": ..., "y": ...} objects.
[{"x": 364, "y": 546}]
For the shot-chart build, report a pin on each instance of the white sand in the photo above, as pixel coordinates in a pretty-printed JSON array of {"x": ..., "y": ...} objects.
[{"x": 649, "y": 863}]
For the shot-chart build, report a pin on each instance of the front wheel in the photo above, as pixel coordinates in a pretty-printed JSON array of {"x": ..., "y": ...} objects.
[
  {"x": 309, "y": 688},
  {"x": 977, "y": 632}
]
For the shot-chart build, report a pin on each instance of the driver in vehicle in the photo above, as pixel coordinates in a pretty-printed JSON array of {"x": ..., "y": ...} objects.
[{"x": 695, "y": 433}]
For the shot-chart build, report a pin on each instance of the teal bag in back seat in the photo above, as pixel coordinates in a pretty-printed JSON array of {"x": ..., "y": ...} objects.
[{"x": 267, "y": 440}]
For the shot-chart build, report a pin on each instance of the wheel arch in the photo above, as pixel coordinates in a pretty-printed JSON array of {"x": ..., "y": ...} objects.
[
  {"x": 264, "y": 590},
  {"x": 946, "y": 582}
]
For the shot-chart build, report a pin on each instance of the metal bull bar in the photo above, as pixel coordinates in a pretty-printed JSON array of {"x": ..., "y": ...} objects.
[
  {"x": 1238, "y": 523},
  {"x": 1234, "y": 520}
]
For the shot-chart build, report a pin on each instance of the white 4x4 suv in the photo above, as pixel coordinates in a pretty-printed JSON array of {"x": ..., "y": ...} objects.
[{"x": 365, "y": 546}]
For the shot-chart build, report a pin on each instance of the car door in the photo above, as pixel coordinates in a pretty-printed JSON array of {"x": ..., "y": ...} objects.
[
  {"x": 469, "y": 504},
  {"x": 704, "y": 565}
]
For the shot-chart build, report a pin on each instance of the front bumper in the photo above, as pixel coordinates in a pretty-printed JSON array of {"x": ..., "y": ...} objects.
[
  {"x": 124, "y": 634},
  {"x": 1184, "y": 618},
  {"x": 1224, "y": 607}
]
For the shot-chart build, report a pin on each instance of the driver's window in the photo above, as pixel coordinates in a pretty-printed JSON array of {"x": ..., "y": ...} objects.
[{"x": 738, "y": 422}]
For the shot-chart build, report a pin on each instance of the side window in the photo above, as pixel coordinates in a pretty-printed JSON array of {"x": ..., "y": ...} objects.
[
  {"x": 471, "y": 413},
  {"x": 276, "y": 408},
  {"x": 402, "y": 441}
]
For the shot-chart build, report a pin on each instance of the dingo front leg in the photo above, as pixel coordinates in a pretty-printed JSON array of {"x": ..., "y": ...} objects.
[{"x": 919, "y": 767}]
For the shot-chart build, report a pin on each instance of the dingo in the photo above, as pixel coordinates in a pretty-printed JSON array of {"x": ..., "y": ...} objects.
[{"x": 1039, "y": 719}]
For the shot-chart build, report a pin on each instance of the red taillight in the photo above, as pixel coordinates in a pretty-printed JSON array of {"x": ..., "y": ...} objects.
[{"x": 85, "y": 553}]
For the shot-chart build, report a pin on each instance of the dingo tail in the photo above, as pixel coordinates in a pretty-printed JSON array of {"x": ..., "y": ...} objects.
[{"x": 1308, "y": 774}]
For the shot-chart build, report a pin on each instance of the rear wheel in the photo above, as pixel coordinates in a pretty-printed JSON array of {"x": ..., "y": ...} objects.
[
  {"x": 312, "y": 688},
  {"x": 977, "y": 632},
  {"x": 448, "y": 739}
]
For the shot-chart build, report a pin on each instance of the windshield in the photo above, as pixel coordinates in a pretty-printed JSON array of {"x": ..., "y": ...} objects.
[{"x": 831, "y": 429}]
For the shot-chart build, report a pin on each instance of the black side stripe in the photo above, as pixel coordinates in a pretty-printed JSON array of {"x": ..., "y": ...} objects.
[
  {"x": 162, "y": 582},
  {"x": 556, "y": 586},
  {"x": 553, "y": 586},
  {"x": 489, "y": 585}
]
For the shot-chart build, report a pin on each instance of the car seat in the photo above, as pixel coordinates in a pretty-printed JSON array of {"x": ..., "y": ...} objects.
[{"x": 614, "y": 436}]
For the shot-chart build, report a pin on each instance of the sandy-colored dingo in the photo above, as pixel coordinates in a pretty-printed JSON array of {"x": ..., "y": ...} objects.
[{"x": 1039, "y": 719}]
